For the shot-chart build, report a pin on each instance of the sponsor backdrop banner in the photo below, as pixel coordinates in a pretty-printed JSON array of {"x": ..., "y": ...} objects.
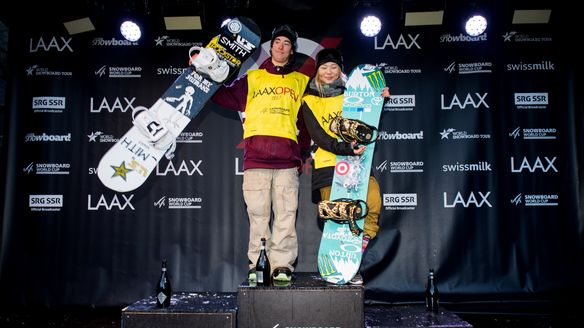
[{"x": 477, "y": 160}]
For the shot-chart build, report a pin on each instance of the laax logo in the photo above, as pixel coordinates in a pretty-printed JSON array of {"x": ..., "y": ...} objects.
[
  {"x": 238, "y": 166},
  {"x": 123, "y": 105},
  {"x": 189, "y": 168},
  {"x": 466, "y": 202},
  {"x": 537, "y": 165},
  {"x": 468, "y": 100},
  {"x": 54, "y": 44},
  {"x": 401, "y": 42},
  {"x": 276, "y": 91},
  {"x": 108, "y": 205}
]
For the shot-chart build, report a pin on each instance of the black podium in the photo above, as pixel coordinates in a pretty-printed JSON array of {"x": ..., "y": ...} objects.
[
  {"x": 307, "y": 301},
  {"x": 192, "y": 310}
]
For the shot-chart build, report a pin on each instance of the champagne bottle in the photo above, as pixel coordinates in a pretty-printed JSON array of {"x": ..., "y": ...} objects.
[
  {"x": 432, "y": 294},
  {"x": 163, "y": 288},
  {"x": 263, "y": 270}
]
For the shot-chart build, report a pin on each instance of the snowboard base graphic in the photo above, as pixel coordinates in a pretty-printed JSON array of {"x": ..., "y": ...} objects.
[
  {"x": 129, "y": 162},
  {"x": 339, "y": 254}
]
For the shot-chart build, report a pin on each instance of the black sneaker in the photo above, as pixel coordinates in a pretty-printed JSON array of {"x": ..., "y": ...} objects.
[
  {"x": 251, "y": 275},
  {"x": 356, "y": 280},
  {"x": 282, "y": 274}
]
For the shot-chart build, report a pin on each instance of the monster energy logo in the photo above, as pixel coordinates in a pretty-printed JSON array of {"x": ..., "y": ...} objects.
[
  {"x": 376, "y": 79},
  {"x": 326, "y": 266}
]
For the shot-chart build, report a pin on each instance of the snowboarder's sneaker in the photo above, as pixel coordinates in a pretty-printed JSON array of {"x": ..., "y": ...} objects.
[
  {"x": 251, "y": 275},
  {"x": 356, "y": 280},
  {"x": 343, "y": 210},
  {"x": 282, "y": 274},
  {"x": 353, "y": 130},
  {"x": 208, "y": 62}
]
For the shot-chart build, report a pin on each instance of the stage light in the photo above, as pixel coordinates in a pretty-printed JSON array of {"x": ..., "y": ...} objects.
[
  {"x": 79, "y": 26},
  {"x": 370, "y": 26},
  {"x": 131, "y": 31},
  {"x": 531, "y": 16},
  {"x": 183, "y": 23},
  {"x": 475, "y": 25}
]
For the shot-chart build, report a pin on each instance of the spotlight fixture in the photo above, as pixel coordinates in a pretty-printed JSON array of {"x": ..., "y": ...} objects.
[
  {"x": 370, "y": 26},
  {"x": 183, "y": 23},
  {"x": 130, "y": 31},
  {"x": 79, "y": 26},
  {"x": 475, "y": 25}
]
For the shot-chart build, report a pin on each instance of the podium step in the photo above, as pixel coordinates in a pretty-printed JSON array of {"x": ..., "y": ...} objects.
[
  {"x": 410, "y": 316},
  {"x": 192, "y": 310},
  {"x": 307, "y": 301}
]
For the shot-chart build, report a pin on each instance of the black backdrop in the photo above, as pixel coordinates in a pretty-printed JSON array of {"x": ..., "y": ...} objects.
[{"x": 478, "y": 163}]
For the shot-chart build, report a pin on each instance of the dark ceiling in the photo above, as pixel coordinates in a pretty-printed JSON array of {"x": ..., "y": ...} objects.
[
  {"x": 39, "y": 12},
  {"x": 270, "y": 11},
  {"x": 309, "y": 16}
]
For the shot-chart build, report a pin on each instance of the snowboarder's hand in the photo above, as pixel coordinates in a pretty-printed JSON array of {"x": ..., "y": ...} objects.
[
  {"x": 357, "y": 149},
  {"x": 385, "y": 92},
  {"x": 193, "y": 58},
  {"x": 366, "y": 239}
]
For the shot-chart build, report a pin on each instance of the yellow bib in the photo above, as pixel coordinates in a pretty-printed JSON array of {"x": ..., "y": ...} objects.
[
  {"x": 325, "y": 109},
  {"x": 273, "y": 102}
]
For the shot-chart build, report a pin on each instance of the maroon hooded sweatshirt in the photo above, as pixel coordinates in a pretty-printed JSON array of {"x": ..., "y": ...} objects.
[{"x": 267, "y": 152}]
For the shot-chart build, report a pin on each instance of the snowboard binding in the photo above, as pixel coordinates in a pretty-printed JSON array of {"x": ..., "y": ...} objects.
[
  {"x": 344, "y": 210},
  {"x": 207, "y": 62},
  {"x": 353, "y": 130},
  {"x": 158, "y": 134}
]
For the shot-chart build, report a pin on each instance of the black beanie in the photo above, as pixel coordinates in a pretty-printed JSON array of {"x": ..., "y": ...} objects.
[
  {"x": 287, "y": 31},
  {"x": 329, "y": 55}
]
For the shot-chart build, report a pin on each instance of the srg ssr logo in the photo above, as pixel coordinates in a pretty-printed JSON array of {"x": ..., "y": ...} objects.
[
  {"x": 400, "y": 199},
  {"x": 45, "y": 200},
  {"x": 534, "y": 98}
]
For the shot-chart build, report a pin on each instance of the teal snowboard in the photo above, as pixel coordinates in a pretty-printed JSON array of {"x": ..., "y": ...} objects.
[{"x": 339, "y": 254}]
